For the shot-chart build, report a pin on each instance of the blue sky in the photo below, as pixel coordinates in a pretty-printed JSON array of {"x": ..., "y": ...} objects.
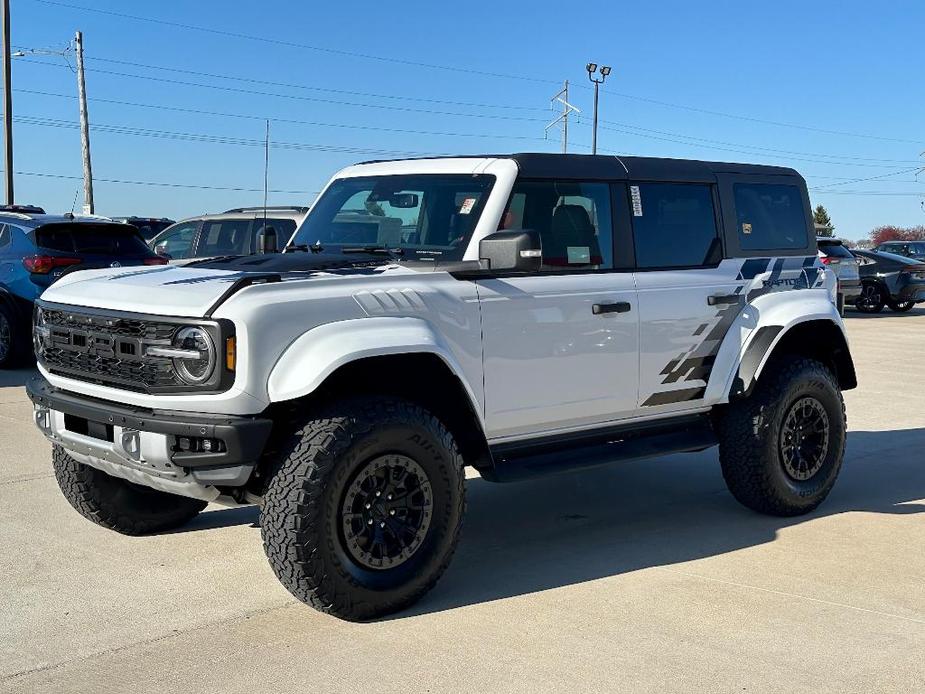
[{"x": 850, "y": 67}]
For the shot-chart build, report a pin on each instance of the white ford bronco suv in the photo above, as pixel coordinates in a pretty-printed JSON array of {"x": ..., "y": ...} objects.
[{"x": 519, "y": 314}]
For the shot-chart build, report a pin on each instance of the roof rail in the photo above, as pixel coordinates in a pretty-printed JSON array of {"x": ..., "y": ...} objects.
[
  {"x": 268, "y": 208},
  {"x": 22, "y": 209}
]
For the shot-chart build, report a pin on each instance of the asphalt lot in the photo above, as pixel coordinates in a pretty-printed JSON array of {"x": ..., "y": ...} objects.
[{"x": 639, "y": 577}]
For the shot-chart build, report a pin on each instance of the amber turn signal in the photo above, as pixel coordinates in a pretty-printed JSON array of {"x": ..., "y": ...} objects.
[{"x": 231, "y": 353}]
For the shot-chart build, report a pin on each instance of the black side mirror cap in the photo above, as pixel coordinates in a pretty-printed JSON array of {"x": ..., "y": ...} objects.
[{"x": 511, "y": 251}]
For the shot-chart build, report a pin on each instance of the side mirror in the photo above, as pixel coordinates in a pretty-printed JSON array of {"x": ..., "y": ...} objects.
[
  {"x": 161, "y": 250},
  {"x": 266, "y": 241},
  {"x": 516, "y": 251}
]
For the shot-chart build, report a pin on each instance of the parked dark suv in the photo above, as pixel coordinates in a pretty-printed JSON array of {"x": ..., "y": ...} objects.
[
  {"x": 37, "y": 249},
  {"x": 889, "y": 280}
]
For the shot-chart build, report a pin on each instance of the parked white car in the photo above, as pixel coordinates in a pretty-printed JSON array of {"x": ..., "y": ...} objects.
[{"x": 521, "y": 314}]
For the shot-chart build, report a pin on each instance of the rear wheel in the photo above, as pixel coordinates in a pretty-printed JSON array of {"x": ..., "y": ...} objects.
[
  {"x": 10, "y": 339},
  {"x": 900, "y": 306},
  {"x": 362, "y": 515},
  {"x": 872, "y": 298},
  {"x": 117, "y": 504},
  {"x": 781, "y": 449}
]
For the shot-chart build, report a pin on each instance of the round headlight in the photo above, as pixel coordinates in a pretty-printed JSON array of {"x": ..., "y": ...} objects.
[{"x": 194, "y": 370}]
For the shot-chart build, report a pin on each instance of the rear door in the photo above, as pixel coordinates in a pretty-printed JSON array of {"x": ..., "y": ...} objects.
[
  {"x": 688, "y": 295},
  {"x": 561, "y": 345}
]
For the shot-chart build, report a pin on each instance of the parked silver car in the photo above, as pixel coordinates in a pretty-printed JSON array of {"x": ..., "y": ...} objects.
[
  {"x": 844, "y": 264},
  {"x": 233, "y": 232}
]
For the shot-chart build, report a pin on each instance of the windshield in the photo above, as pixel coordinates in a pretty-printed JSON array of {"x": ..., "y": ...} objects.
[{"x": 428, "y": 215}]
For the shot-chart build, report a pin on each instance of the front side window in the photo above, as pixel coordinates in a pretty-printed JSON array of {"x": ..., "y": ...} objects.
[
  {"x": 572, "y": 218},
  {"x": 674, "y": 225},
  {"x": 770, "y": 217},
  {"x": 426, "y": 215},
  {"x": 178, "y": 242}
]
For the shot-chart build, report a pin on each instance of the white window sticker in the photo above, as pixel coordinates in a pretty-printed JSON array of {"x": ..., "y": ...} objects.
[
  {"x": 467, "y": 206},
  {"x": 637, "y": 201},
  {"x": 578, "y": 255},
  {"x": 746, "y": 228}
]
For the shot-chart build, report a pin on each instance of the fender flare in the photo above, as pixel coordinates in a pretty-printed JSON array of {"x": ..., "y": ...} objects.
[
  {"x": 319, "y": 352},
  {"x": 759, "y": 330}
]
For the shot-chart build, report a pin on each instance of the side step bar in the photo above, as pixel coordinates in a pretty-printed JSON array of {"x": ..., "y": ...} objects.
[{"x": 524, "y": 460}]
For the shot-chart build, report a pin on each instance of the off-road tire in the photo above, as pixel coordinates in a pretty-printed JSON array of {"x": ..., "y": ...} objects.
[
  {"x": 300, "y": 518},
  {"x": 117, "y": 504},
  {"x": 750, "y": 433}
]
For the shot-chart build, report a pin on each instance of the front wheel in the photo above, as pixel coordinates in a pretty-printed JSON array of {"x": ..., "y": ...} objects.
[
  {"x": 362, "y": 514},
  {"x": 118, "y": 504},
  {"x": 872, "y": 298},
  {"x": 781, "y": 448}
]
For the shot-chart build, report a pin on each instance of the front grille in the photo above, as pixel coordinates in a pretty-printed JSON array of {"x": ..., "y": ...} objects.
[{"x": 108, "y": 350}]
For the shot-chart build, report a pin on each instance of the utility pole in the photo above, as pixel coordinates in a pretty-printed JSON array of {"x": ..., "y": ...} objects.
[
  {"x": 605, "y": 70},
  {"x": 84, "y": 125},
  {"x": 7, "y": 106},
  {"x": 562, "y": 98}
]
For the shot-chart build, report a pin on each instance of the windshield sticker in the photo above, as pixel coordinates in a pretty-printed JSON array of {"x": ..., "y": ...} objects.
[
  {"x": 637, "y": 201},
  {"x": 579, "y": 255},
  {"x": 467, "y": 206}
]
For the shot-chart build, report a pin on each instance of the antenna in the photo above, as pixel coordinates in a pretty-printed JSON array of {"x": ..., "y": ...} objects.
[
  {"x": 74, "y": 201},
  {"x": 266, "y": 174},
  {"x": 562, "y": 98}
]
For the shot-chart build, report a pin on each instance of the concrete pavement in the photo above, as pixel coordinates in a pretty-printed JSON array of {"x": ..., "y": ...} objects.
[{"x": 639, "y": 577}]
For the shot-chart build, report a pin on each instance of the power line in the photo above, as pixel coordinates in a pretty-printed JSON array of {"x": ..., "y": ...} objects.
[
  {"x": 240, "y": 90},
  {"x": 163, "y": 184},
  {"x": 292, "y": 121},
  {"x": 752, "y": 119},
  {"x": 483, "y": 73},
  {"x": 215, "y": 139},
  {"x": 294, "y": 44},
  {"x": 291, "y": 85}
]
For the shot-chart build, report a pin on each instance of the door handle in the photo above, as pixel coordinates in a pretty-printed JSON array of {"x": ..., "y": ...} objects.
[
  {"x": 615, "y": 307},
  {"x": 723, "y": 299}
]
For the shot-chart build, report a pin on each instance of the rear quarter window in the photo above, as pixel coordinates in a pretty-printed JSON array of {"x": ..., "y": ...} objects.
[{"x": 770, "y": 217}]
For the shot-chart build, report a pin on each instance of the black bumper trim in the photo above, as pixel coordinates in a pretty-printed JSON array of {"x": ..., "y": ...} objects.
[{"x": 244, "y": 437}]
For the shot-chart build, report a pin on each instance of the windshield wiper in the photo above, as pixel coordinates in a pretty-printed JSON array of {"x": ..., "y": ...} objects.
[{"x": 376, "y": 250}]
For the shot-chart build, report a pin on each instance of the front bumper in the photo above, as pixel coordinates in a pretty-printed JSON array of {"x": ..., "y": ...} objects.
[{"x": 146, "y": 446}]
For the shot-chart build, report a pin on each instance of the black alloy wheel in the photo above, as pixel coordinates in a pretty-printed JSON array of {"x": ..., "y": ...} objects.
[
  {"x": 386, "y": 512},
  {"x": 871, "y": 299},
  {"x": 804, "y": 439}
]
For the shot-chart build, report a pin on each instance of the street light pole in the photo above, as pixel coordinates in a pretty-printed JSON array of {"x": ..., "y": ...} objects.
[
  {"x": 7, "y": 106},
  {"x": 84, "y": 125},
  {"x": 592, "y": 69}
]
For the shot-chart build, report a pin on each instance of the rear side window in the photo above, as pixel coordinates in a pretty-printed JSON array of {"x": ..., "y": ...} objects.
[
  {"x": 674, "y": 225},
  {"x": 92, "y": 239},
  {"x": 770, "y": 217},
  {"x": 284, "y": 229},
  {"x": 225, "y": 237}
]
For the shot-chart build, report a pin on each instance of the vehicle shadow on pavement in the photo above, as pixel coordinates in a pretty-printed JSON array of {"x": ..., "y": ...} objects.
[
  {"x": 557, "y": 531},
  {"x": 886, "y": 313}
]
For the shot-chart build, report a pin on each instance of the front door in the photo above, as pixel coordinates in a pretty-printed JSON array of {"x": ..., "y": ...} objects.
[{"x": 561, "y": 346}]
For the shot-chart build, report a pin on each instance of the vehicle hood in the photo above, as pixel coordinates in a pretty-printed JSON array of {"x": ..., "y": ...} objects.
[{"x": 191, "y": 290}]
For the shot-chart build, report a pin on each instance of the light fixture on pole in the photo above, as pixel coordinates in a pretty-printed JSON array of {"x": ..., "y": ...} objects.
[{"x": 592, "y": 68}]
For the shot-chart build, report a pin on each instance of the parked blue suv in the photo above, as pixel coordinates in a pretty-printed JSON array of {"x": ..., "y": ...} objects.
[{"x": 37, "y": 248}]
